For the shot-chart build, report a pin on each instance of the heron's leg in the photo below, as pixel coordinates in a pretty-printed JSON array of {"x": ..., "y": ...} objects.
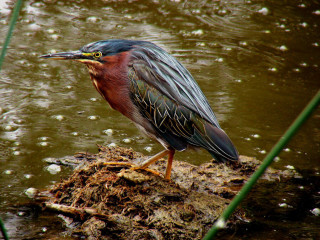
[
  {"x": 153, "y": 159},
  {"x": 169, "y": 164}
]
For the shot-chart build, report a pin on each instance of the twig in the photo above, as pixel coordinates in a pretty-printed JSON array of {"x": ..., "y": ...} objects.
[{"x": 71, "y": 210}]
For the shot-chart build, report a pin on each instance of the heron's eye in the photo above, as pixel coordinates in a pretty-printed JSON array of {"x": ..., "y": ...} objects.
[{"x": 97, "y": 54}]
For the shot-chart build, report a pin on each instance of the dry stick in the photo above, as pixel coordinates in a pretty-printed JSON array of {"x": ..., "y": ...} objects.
[
  {"x": 75, "y": 210},
  {"x": 69, "y": 209}
]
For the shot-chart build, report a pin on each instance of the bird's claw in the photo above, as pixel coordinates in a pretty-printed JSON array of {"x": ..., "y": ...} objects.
[
  {"x": 132, "y": 166},
  {"x": 145, "y": 169}
]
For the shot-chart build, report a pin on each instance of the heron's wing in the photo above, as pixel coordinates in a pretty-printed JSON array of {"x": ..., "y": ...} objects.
[
  {"x": 163, "y": 72},
  {"x": 176, "y": 124}
]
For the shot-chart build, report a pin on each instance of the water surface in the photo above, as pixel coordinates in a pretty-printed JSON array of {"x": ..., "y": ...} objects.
[{"x": 258, "y": 63}]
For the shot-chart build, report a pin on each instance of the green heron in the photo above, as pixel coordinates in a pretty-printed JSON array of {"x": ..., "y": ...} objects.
[{"x": 150, "y": 87}]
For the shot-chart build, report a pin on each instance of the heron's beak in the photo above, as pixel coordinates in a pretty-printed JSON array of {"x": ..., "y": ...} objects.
[{"x": 74, "y": 55}]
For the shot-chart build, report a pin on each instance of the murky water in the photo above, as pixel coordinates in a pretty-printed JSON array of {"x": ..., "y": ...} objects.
[{"x": 258, "y": 63}]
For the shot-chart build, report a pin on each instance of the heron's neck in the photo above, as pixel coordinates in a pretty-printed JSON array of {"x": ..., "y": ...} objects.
[{"x": 112, "y": 82}]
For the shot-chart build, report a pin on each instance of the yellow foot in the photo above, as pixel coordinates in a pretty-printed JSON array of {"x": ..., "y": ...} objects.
[
  {"x": 146, "y": 169},
  {"x": 132, "y": 166}
]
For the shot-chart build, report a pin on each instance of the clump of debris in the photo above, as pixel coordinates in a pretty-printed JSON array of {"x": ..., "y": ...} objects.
[{"x": 111, "y": 201}]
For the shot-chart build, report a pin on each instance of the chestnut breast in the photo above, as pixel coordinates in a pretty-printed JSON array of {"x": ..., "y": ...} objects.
[{"x": 111, "y": 81}]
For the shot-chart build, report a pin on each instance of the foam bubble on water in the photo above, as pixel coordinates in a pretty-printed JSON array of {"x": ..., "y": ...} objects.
[
  {"x": 43, "y": 65},
  {"x": 201, "y": 44},
  {"x": 220, "y": 223},
  {"x": 196, "y": 11},
  {"x": 283, "y": 48},
  {"x": 31, "y": 192},
  {"x": 315, "y": 211},
  {"x": 51, "y": 30},
  {"x": 54, "y": 168},
  {"x": 10, "y": 128},
  {"x": 126, "y": 140},
  {"x": 21, "y": 213},
  {"x": 16, "y": 153},
  {"x": 53, "y": 51},
  {"x": 264, "y": 11},
  {"x": 28, "y": 176},
  {"x": 198, "y": 32},
  {"x": 304, "y": 24},
  {"x": 256, "y": 135},
  {"x": 148, "y": 149},
  {"x": 290, "y": 167},
  {"x": 3, "y": 22},
  {"x": 276, "y": 159},
  {"x": 128, "y": 16},
  {"x": 34, "y": 27},
  {"x": 8, "y": 172},
  {"x": 93, "y": 19},
  {"x": 112, "y": 145},
  {"x": 283, "y": 205},
  {"x": 58, "y": 117},
  {"x": 43, "y": 144},
  {"x": 93, "y": 118},
  {"x": 316, "y": 12},
  {"x": 243, "y": 43},
  {"x": 43, "y": 138},
  {"x": 222, "y": 12},
  {"x": 108, "y": 132},
  {"x": 273, "y": 69},
  {"x": 55, "y": 37}
]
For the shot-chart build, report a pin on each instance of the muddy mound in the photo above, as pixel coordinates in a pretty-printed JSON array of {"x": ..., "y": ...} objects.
[{"x": 108, "y": 200}]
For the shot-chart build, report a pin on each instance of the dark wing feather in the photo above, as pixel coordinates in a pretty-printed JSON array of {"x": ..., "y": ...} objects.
[
  {"x": 176, "y": 124},
  {"x": 162, "y": 71},
  {"x": 158, "y": 109}
]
